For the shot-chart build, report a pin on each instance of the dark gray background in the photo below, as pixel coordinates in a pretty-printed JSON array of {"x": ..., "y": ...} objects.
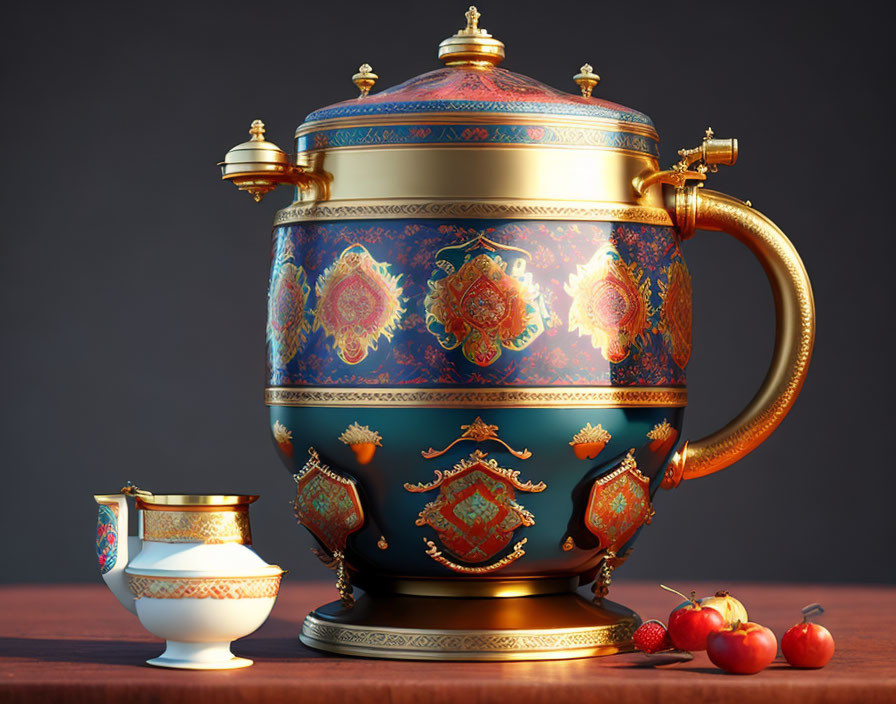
[{"x": 133, "y": 279}]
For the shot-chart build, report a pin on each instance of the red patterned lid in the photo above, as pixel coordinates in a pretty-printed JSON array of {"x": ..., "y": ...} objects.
[{"x": 471, "y": 100}]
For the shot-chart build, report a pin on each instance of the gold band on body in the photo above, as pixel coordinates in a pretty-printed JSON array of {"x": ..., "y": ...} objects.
[
  {"x": 523, "y": 397},
  {"x": 212, "y": 527},
  {"x": 397, "y": 208},
  {"x": 150, "y": 587},
  {"x": 477, "y": 181}
]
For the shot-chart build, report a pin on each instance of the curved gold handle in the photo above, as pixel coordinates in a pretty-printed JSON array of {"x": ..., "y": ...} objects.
[{"x": 697, "y": 208}]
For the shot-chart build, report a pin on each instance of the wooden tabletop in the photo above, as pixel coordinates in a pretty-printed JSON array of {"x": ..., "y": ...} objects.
[{"x": 75, "y": 643}]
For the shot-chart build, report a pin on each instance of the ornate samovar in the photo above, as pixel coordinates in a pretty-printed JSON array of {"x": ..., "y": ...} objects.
[{"x": 479, "y": 320}]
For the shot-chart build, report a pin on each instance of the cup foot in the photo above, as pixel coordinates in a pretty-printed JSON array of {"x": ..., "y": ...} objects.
[
  {"x": 550, "y": 627},
  {"x": 199, "y": 656}
]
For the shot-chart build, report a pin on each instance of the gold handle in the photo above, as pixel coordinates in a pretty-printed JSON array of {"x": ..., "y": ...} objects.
[{"x": 794, "y": 331}]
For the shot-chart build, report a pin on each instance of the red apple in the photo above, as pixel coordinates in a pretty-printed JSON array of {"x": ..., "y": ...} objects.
[
  {"x": 743, "y": 649},
  {"x": 807, "y": 645},
  {"x": 690, "y": 624}
]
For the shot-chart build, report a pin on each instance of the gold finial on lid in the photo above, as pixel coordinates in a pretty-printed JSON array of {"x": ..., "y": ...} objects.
[
  {"x": 256, "y": 129},
  {"x": 472, "y": 16},
  {"x": 586, "y": 80},
  {"x": 471, "y": 46},
  {"x": 364, "y": 79}
]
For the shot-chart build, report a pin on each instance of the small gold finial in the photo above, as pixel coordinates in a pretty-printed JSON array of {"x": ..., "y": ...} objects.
[
  {"x": 472, "y": 45},
  {"x": 364, "y": 79},
  {"x": 709, "y": 133},
  {"x": 586, "y": 79},
  {"x": 472, "y": 16},
  {"x": 256, "y": 129}
]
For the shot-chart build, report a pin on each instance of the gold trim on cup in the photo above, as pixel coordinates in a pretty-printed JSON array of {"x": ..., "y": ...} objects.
[{"x": 523, "y": 397}]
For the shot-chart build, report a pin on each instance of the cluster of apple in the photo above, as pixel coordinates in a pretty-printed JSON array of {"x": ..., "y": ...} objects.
[{"x": 720, "y": 626}]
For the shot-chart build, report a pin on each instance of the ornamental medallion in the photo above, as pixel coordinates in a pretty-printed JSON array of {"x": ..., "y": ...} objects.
[
  {"x": 610, "y": 303},
  {"x": 676, "y": 312},
  {"x": 475, "y": 513},
  {"x": 288, "y": 325},
  {"x": 358, "y": 302},
  {"x": 327, "y": 504},
  {"x": 619, "y": 504},
  {"x": 482, "y": 300}
]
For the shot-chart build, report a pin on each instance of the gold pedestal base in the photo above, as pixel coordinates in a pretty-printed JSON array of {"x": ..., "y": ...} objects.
[{"x": 549, "y": 627}]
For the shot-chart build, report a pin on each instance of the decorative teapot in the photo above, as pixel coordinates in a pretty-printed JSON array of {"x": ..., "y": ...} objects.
[
  {"x": 189, "y": 574},
  {"x": 479, "y": 323}
]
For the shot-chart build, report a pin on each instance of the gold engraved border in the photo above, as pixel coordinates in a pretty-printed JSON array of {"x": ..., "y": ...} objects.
[
  {"x": 212, "y": 527},
  {"x": 358, "y": 210},
  {"x": 468, "y": 645},
  {"x": 204, "y": 587},
  {"x": 527, "y": 397}
]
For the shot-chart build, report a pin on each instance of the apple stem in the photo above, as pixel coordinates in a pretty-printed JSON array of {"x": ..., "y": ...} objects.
[
  {"x": 691, "y": 598},
  {"x": 811, "y": 611}
]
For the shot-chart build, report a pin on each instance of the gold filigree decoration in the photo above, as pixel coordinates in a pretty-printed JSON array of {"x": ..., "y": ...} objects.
[
  {"x": 590, "y": 441},
  {"x": 336, "y": 562},
  {"x": 145, "y": 587},
  {"x": 661, "y": 431},
  {"x": 436, "y": 555},
  {"x": 662, "y": 438},
  {"x": 528, "y": 397},
  {"x": 477, "y": 457},
  {"x": 568, "y": 544},
  {"x": 472, "y": 209},
  {"x": 477, "y": 431},
  {"x": 210, "y": 527},
  {"x": 283, "y": 438},
  {"x": 608, "y": 565},
  {"x": 364, "y": 640},
  {"x": 362, "y": 440},
  {"x": 382, "y": 544},
  {"x": 591, "y": 434}
]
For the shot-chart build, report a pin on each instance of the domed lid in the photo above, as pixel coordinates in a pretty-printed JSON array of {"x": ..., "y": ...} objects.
[
  {"x": 471, "y": 100},
  {"x": 257, "y": 151}
]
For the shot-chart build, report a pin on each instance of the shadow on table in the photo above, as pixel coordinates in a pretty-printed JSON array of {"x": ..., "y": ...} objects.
[{"x": 123, "y": 652}]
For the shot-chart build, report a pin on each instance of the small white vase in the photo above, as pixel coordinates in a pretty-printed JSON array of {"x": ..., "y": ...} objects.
[{"x": 189, "y": 574}]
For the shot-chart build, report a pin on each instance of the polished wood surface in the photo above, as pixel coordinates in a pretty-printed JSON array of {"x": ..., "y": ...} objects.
[{"x": 75, "y": 643}]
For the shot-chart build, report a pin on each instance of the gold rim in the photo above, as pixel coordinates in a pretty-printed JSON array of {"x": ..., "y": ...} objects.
[
  {"x": 525, "y": 397},
  {"x": 163, "y": 500}
]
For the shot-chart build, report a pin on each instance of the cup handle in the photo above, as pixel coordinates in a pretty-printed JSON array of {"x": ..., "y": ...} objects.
[{"x": 696, "y": 208}]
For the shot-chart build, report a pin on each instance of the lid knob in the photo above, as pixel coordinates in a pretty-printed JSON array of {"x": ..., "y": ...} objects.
[
  {"x": 364, "y": 79},
  {"x": 471, "y": 46},
  {"x": 256, "y": 129},
  {"x": 586, "y": 79}
]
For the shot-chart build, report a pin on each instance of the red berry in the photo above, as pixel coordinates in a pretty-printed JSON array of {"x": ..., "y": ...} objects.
[{"x": 652, "y": 637}]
